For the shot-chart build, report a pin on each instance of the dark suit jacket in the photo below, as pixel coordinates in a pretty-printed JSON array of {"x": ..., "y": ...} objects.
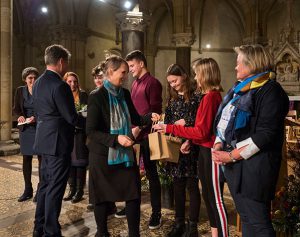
[
  {"x": 256, "y": 177},
  {"x": 98, "y": 121},
  {"x": 56, "y": 115}
]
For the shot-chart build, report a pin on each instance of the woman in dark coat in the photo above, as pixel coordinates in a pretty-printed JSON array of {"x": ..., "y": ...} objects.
[
  {"x": 80, "y": 152},
  {"x": 113, "y": 168},
  {"x": 250, "y": 133},
  {"x": 23, "y": 108}
]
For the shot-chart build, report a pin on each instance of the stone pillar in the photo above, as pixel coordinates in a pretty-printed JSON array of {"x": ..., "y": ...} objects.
[
  {"x": 6, "y": 69},
  {"x": 74, "y": 39},
  {"x": 183, "y": 43},
  {"x": 132, "y": 25}
]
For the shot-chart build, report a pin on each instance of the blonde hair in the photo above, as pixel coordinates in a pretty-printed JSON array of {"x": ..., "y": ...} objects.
[
  {"x": 256, "y": 58},
  {"x": 208, "y": 74}
]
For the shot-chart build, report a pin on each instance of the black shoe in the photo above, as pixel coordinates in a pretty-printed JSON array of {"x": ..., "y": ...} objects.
[
  {"x": 177, "y": 230},
  {"x": 155, "y": 221},
  {"x": 90, "y": 207},
  {"x": 26, "y": 195},
  {"x": 37, "y": 233},
  {"x": 121, "y": 214},
  {"x": 70, "y": 195},
  {"x": 78, "y": 196},
  {"x": 191, "y": 229}
]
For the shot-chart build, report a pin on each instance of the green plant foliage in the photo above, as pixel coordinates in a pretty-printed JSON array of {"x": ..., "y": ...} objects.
[
  {"x": 164, "y": 178},
  {"x": 286, "y": 205}
]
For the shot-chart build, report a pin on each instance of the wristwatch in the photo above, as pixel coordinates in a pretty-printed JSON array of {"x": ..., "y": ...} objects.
[{"x": 231, "y": 157}]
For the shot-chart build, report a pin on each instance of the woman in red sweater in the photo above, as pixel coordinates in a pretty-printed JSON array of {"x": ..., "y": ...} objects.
[{"x": 208, "y": 81}]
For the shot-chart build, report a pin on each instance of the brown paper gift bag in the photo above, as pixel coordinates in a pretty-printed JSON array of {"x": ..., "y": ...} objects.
[
  {"x": 164, "y": 147},
  {"x": 173, "y": 148}
]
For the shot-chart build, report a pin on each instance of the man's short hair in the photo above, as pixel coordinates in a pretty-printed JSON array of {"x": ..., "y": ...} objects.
[
  {"x": 54, "y": 53},
  {"x": 138, "y": 55}
]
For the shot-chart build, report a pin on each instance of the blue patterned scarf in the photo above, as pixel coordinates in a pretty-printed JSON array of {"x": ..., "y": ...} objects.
[
  {"x": 119, "y": 124},
  {"x": 241, "y": 97}
]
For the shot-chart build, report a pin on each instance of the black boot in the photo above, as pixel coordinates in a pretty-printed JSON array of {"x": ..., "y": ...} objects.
[
  {"x": 191, "y": 229},
  {"x": 72, "y": 190},
  {"x": 79, "y": 191},
  {"x": 178, "y": 229},
  {"x": 27, "y": 194}
]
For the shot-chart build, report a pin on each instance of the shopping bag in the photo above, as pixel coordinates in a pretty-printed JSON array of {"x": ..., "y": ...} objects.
[
  {"x": 137, "y": 149},
  {"x": 173, "y": 148},
  {"x": 164, "y": 147},
  {"x": 156, "y": 146}
]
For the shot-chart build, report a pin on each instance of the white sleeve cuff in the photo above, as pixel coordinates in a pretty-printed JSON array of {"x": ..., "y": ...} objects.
[
  {"x": 250, "y": 148},
  {"x": 218, "y": 140}
]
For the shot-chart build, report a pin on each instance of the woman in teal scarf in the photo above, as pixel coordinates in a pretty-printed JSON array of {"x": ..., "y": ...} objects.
[
  {"x": 250, "y": 132},
  {"x": 113, "y": 169}
]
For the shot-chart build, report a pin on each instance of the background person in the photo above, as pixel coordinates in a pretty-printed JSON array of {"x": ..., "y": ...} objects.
[
  {"x": 97, "y": 74},
  {"x": 183, "y": 102},
  {"x": 80, "y": 152},
  {"x": 208, "y": 78},
  {"x": 113, "y": 168},
  {"x": 146, "y": 95},
  {"x": 250, "y": 128},
  {"x": 23, "y": 108},
  {"x": 56, "y": 119}
]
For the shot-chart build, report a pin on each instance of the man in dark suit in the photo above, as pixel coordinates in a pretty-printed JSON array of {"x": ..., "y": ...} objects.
[{"x": 56, "y": 117}]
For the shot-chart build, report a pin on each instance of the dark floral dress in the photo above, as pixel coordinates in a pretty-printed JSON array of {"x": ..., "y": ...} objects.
[{"x": 179, "y": 109}]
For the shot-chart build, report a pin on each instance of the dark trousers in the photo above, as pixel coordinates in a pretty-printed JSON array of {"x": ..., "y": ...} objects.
[
  {"x": 180, "y": 185},
  {"x": 255, "y": 215},
  {"x": 27, "y": 170},
  {"x": 152, "y": 176},
  {"x": 77, "y": 176},
  {"x": 210, "y": 176},
  {"x": 132, "y": 214},
  {"x": 54, "y": 177}
]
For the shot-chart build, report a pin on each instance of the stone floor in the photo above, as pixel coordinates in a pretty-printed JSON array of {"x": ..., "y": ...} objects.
[{"x": 16, "y": 219}]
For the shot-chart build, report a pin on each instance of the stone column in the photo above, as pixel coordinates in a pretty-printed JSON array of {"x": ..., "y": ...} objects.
[
  {"x": 6, "y": 69},
  {"x": 132, "y": 25},
  {"x": 74, "y": 39},
  {"x": 183, "y": 43}
]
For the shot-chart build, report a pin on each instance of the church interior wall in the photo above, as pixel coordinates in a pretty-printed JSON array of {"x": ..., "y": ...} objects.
[{"x": 217, "y": 24}]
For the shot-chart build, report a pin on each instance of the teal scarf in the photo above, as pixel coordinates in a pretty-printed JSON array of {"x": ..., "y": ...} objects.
[{"x": 119, "y": 124}]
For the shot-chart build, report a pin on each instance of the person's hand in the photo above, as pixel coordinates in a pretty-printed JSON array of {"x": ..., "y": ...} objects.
[
  {"x": 220, "y": 157},
  {"x": 135, "y": 131},
  {"x": 31, "y": 119},
  {"x": 180, "y": 122},
  {"x": 125, "y": 141},
  {"x": 218, "y": 146},
  {"x": 155, "y": 117},
  {"x": 185, "y": 147},
  {"x": 160, "y": 127},
  {"x": 21, "y": 119}
]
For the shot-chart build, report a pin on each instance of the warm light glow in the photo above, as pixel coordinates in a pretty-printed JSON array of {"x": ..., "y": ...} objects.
[
  {"x": 44, "y": 10},
  {"x": 127, "y": 4},
  {"x": 208, "y": 46}
]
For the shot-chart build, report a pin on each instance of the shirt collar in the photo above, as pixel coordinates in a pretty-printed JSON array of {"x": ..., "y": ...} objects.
[{"x": 143, "y": 77}]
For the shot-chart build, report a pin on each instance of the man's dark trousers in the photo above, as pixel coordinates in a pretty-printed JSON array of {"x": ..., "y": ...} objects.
[
  {"x": 152, "y": 176},
  {"x": 54, "y": 173}
]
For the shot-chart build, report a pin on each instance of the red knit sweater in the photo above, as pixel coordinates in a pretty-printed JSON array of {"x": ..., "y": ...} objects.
[{"x": 202, "y": 133}]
